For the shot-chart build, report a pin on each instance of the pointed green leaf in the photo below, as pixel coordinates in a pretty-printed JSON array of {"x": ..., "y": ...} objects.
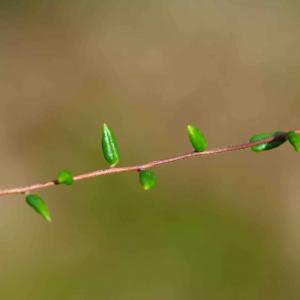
[
  {"x": 37, "y": 203},
  {"x": 294, "y": 139},
  {"x": 197, "y": 138},
  {"x": 109, "y": 146},
  {"x": 269, "y": 145},
  {"x": 147, "y": 179},
  {"x": 66, "y": 177}
]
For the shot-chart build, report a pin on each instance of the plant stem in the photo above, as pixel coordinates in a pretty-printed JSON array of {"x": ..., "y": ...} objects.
[{"x": 108, "y": 171}]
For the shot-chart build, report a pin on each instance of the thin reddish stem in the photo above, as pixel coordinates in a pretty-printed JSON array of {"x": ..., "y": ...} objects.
[{"x": 25, "y": 189}]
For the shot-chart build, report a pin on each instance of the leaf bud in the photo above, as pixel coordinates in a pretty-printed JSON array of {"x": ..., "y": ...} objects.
[
  {"x": 66, "y": 177},
  {"x": 147, "y": 179}
]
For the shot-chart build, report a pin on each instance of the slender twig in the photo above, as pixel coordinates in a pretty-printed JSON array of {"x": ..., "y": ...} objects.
[{"x": 22, "y": 190}]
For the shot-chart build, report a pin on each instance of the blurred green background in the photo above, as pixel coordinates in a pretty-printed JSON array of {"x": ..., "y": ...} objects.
[{"x": 218, "y": 227}]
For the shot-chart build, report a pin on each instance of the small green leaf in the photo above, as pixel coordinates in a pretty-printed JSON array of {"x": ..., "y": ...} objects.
[
  {"x": 147, "y": 179},
  {"x": 269, "y": 145},
  {"x": 109, "y": 146},
  {"x": 197, "y": 138},
  {"x": 294, "y": 139},
  {"x": 66, "y": 177},
  {"x": 38, "y": 204}
]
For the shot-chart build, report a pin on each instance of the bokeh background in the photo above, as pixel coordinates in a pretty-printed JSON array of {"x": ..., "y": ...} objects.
[{"x": 218, "y": 227}]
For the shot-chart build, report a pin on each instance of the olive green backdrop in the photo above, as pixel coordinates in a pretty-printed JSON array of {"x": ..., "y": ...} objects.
[{"x": 218, "y": 227}]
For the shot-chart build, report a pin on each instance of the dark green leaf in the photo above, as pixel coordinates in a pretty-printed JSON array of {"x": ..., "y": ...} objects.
[
  {"x": 109, "y": 146},
  {"x": 269, "y": 145}
]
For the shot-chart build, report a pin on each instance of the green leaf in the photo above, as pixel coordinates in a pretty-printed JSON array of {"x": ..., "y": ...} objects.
[
  {"x": 66, "y": 177},
  {"x": 109, "y": 146},
  {"x": 38, "y": 204},
  {"x": 294, "y": 139},
  {"x": 269, "y": 145},
  {"x": 197, "y": 138},
  {"x": 147, "y": 179}
]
